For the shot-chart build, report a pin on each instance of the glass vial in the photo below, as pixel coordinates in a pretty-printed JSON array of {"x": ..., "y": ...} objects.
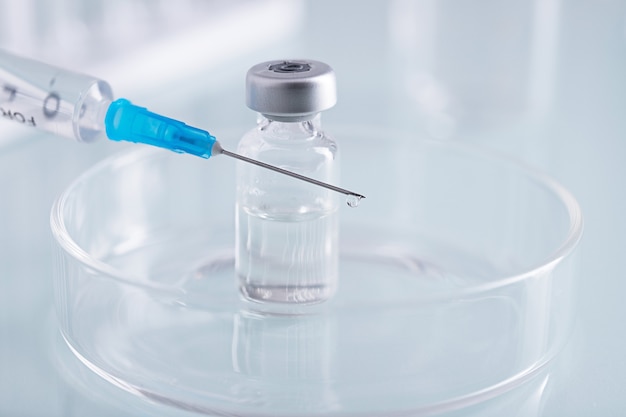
[{"x": 287, "y": 230}]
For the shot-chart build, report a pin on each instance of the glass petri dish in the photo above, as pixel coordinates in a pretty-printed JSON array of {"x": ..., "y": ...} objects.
[{"x": 457, "y": 284}]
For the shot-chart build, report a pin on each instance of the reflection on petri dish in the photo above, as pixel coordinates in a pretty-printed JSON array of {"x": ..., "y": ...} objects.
[{"x": 456, "y": 285}]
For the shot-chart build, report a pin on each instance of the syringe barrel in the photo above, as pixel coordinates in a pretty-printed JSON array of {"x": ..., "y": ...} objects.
[{"x": 56, "y": 100}]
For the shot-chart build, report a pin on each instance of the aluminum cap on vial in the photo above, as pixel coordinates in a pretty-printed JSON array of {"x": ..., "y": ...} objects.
[{"x": 290, "y": 90}]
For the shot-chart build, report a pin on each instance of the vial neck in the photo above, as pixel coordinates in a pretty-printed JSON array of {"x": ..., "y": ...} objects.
[{"x": 276, "y": 129}]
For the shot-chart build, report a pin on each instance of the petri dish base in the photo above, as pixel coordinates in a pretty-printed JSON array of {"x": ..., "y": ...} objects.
[{"x": 456, "y": 285}]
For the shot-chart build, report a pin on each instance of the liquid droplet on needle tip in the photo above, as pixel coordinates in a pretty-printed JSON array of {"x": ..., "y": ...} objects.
[{"x": 353, "y": 200}]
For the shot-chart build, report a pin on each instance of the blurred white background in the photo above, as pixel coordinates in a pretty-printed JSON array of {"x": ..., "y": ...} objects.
[{"x": 541, "y": 80}]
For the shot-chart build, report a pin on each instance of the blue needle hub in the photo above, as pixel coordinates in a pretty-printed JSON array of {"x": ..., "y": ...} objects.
[{"x": 125, "y": 121}]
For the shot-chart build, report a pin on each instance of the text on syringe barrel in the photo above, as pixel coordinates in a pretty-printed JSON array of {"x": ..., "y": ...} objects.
[{"x": 59, "y": 101}]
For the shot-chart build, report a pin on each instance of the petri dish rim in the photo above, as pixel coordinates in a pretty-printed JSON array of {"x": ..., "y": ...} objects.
[{"x": 121, "y": 159}]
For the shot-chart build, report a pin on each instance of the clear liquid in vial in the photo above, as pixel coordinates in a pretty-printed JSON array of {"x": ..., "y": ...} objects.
[{"x": 287, "y": 260}]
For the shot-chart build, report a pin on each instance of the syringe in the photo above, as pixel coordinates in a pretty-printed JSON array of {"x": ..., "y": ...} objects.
[{"x": 82, "y": 108}]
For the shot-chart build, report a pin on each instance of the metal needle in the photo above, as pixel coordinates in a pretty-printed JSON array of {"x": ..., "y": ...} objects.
[{"x": 291, "y": 174}]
